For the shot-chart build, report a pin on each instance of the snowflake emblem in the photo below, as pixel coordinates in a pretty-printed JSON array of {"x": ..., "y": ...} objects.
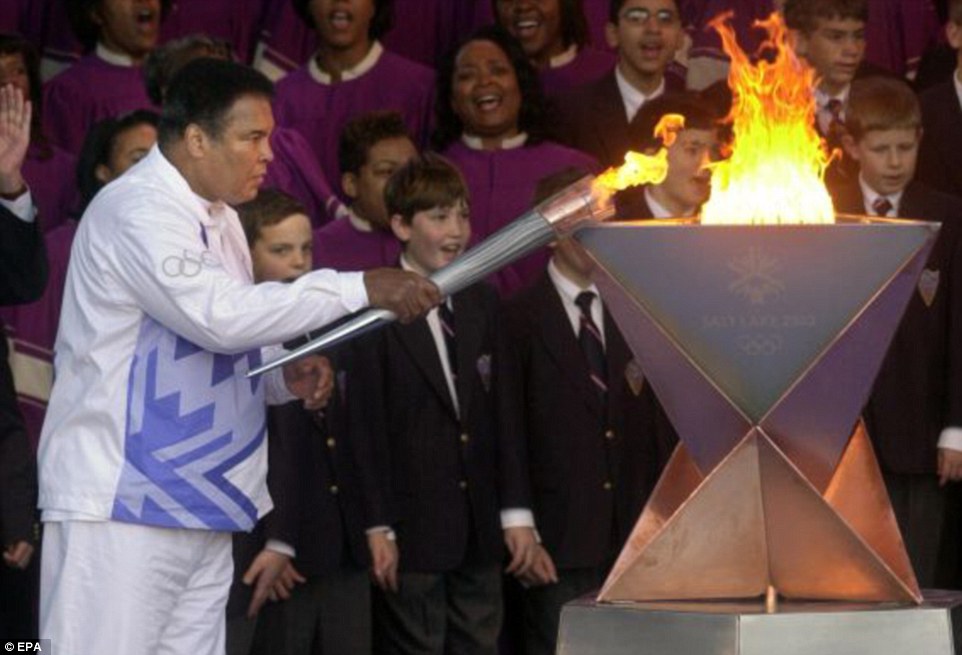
[{"x": 756, "y": 279}]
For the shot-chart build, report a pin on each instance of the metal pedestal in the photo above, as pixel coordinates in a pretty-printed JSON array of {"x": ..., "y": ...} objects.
[{"x": 744, "y": 628}]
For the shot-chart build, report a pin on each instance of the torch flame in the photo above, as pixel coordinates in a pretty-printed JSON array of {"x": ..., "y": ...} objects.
[
  {"x": 639, "y": 168},
  {"x": 777, "y": 167}
]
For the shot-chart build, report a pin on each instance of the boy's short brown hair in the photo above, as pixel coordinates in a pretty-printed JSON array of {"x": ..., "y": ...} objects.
[
  {"x": 881, "y": 103},
  {"x": 270, "y": 207},
  {"x": 427, "y": 181},
  {"x": 803, "y": 15}
]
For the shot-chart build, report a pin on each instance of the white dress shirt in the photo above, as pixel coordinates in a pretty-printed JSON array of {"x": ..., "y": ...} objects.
[{"x": 632, "y": 97}]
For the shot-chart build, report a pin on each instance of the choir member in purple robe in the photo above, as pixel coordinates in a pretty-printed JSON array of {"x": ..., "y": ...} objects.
[
  {"x": 707, "y": 62},
  {"x": 294, "y": 169},
  {"x": 48, "y": 170},
  {"x": 350, "y": 74},
  {"x": 371, "y": 148},
  {"x": 112, "y": 146},
  {"x": 554, "y": 35},
  {"x": 108, "y": 81},
  {"x": 490, "y": 124},
  {"x": 421, "y": 30},
  {"x": 234, "y": 21},
  {"x": 285, "y": 42}
]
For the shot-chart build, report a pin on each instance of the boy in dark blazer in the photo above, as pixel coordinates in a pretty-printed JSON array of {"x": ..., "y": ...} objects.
[
  {"x": 940, "y": 156},
  {"x": 914, "y": 413},
  {"x": 312, "y": 552},
  {"x": 688, "y": 182},
  {"x": 427, "y": 397},
  {"x": 595, "y": 117},
  {"x": 594, "y": 437}
]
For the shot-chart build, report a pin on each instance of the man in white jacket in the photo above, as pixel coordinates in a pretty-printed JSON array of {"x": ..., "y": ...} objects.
[{"x": 153, "y": 448}]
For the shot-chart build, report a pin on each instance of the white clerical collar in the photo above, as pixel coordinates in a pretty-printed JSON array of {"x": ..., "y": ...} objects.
[
  {"x": 566, "y": 287},
  {"x": 870, "y": 195},
  {"x": 358, "y": 223},
  {"x": 363, "y": 66},
  {"x": 512, "y": 142},
  {"x": 112, "y": 57},
  {"x": 658, "y": 210},
  {"x": 632, "y": 97},
  {"x": 957, "y": 78},
  {"x": 564, "y": 58}
]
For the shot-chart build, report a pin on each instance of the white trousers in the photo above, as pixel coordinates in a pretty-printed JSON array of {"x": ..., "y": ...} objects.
[{"x": 110, "y": 588}]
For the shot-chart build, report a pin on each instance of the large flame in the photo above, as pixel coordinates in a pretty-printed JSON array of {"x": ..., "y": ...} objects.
[
  {"x": 778, "y": 161},
  {"x": 639, "y": 168}
]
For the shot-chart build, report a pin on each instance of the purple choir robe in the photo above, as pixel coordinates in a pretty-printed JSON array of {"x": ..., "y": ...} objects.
[
  {"x": 898, "y": 32},
  {"x": 502, "y": 185},
  {"x": 596, "y": 13},
  {"x": 426, "y": 30},
  {"x": 705, "y": 40},
  {"x": 285, "y": 41},
  {"x": 234, "y": 21},
  {"x": 23, "y": 17},
  {"x": 587, "y": 66},
  {"x": 341, "y": 246},
  {"x": 53, "y": 185},
  {"x": 296, "y": 171},
  {"x": 33, "y": 329},
  {"x": 60, "y": 47},
  {"x": 87, "y": 92},
  {"x": 320, "y": 111}
]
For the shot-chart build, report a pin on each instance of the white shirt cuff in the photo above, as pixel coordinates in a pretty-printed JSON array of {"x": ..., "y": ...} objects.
[
  {"x": 353, "y": 291},
  {"x": 275, "y": 387},
  {"x": 389, "y": 533},
  {"x": 22, "y": 207},
  {"x": 951, "y": 438},
  {"x": 281, "y": 547},
  {"x": 517, "y": 517}
]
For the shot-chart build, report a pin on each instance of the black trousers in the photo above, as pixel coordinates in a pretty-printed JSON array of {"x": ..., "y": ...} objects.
[{"x": 456, "y": 612}]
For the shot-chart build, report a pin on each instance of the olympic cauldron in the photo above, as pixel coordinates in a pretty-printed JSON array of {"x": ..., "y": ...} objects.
[{"x": 762, "y": 343}]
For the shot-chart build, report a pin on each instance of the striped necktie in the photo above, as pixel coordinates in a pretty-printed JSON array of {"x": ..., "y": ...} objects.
[
  {"x": 589, "y": 337},
  {"x": 446, "y": 319}
]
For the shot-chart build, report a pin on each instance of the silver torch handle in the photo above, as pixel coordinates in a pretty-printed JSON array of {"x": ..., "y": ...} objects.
[{"x": 560, "y": 215}]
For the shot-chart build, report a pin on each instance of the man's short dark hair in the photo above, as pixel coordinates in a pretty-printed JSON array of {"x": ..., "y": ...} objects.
[
  {"x": 363, "y": 133},
  {"x": 80, "y": 17},
  {"x": 203, "y": 93},
  {"x": 804, "y": 15},
  {"x": 616, "y": 6},
  {"x": 380, "y": 23}
]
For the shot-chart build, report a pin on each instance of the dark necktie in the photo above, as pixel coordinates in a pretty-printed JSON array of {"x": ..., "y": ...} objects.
[
  {"x": 446, "y": 319},
  {"x": 590, "y": 339},
  {"x": 882, "y": 206},
  {"x": 836, "y": 124}
]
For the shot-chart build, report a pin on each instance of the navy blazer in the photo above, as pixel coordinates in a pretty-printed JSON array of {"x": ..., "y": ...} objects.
[{"x": 918, "y": 391}]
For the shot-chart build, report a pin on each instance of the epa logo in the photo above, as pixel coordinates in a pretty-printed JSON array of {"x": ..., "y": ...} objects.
[{"x": 27, "y": 647}]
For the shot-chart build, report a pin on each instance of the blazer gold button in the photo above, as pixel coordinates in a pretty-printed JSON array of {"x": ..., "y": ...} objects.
[
  {"x": 463, "y": 484},
  {"x": 334, "y": 489},
  {"x": 609, "y": 434},
  {"x": 607, "y": 486},
  {"x": 464, "y": 437},
  {"x": 331, "y": 442}
]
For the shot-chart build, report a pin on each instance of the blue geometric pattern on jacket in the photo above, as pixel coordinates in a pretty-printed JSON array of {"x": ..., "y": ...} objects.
[{"x": 193, "y": 421}]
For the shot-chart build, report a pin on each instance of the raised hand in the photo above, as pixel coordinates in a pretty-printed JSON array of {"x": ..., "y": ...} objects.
[{"x": 15, "y": 113}]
